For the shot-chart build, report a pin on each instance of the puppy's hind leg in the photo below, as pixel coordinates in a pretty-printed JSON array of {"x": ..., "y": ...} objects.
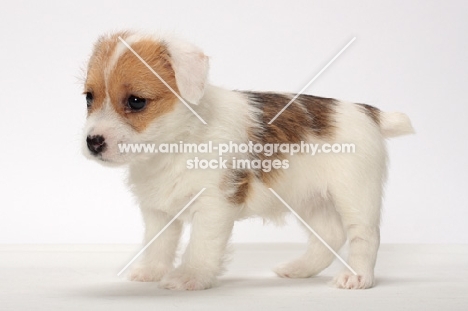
[
  {"x": 359, "y": 207},
  {"x": 325, "y": 221}
]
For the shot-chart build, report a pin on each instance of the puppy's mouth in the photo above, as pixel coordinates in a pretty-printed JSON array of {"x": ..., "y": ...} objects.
[{"x": 100, "y": 158}]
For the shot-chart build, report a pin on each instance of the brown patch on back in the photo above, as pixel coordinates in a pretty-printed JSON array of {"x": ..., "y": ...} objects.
[
  {"x": 237, "y": 185},
  {"x": 131, "y": 77},
  {"x": 307, "y": 115},
  {"x": 321, "y": 111},
  {"x": 372, "y": 112}
]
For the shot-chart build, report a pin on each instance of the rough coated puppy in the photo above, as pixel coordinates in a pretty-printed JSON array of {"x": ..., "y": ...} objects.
[{"x": 338, "y": 194}]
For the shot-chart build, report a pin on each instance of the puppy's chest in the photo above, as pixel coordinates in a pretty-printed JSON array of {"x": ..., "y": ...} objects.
[{"x": 164, "y": 187}]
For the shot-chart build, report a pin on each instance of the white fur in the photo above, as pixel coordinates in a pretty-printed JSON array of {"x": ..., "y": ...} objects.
[
  {"x": 106, "y": 122},
  {"x": 339, "y": 195},
  {"x": 395, "y": 124},
  {"x": 191, "y": 69}
]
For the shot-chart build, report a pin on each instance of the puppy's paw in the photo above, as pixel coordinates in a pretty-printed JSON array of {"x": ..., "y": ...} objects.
[
  {"x": 294, "y": 269},
  {"x": 347, "y": 280},
  {"x": 187, "y": 279},
  {"x": 148, "y": 272}
]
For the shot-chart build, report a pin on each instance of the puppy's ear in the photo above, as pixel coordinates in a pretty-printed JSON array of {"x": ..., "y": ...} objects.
[{"x": 191, "y": 70}]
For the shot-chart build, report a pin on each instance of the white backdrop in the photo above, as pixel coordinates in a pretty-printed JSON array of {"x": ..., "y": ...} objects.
[{"x": 410, "y": 56}]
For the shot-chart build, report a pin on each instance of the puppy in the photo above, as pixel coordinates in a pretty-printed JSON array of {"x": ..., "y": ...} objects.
[{"x": 339, "y": 195}]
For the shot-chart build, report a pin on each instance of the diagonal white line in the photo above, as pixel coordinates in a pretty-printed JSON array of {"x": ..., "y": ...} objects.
[
  {"x": 315, "y": 233},
  {"x": 162, "y": 80},
  {"x": 160, "y": 232},
  {"x": 313, "y": 79}
]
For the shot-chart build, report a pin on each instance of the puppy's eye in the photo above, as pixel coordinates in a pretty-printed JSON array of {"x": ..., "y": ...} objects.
[
  {"x": 89, "y": 99},
  {"x": 136, "y": 103}
]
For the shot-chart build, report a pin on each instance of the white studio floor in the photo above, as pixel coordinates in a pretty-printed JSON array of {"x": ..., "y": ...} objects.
[{"x": 84, "y": 277}]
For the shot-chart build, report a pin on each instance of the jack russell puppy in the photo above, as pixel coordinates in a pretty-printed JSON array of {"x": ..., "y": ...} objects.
[{"x": 169, "y": 102}]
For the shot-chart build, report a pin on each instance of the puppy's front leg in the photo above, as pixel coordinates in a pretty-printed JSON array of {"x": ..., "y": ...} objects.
[
  {"x": 158, "y": 258},
  {"x": 212, "y": 224}
]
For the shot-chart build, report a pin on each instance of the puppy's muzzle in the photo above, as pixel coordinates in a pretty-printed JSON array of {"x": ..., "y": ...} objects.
[{"x": 96, "y": 144}]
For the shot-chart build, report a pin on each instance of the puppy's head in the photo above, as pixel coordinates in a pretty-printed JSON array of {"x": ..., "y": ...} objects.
[{"x": 126, "y": 100}]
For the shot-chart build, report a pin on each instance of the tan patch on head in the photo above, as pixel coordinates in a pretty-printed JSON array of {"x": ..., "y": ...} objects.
[
  {"x": 237, "y": 185},
  {"x": 130, "y": 77},
  {"x": 95, "y": 82},
  {"x": 372, "y": 112},
  {"x": 307, "y": 115}
]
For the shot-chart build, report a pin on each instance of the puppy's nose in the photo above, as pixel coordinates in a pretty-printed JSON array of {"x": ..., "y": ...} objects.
[{"x": 96, "y": 144}]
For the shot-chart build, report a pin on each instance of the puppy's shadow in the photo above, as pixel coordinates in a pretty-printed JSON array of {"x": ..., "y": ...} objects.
[
  {"x": 225, "y": 286},
  {"x": 269, "y": 282},
  {"x": 123, "y": 289},
  {"x": 383, "y": 282}
]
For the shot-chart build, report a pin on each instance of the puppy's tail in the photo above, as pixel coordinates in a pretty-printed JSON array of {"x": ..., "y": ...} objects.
[{"x": 393, "y": 124}]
